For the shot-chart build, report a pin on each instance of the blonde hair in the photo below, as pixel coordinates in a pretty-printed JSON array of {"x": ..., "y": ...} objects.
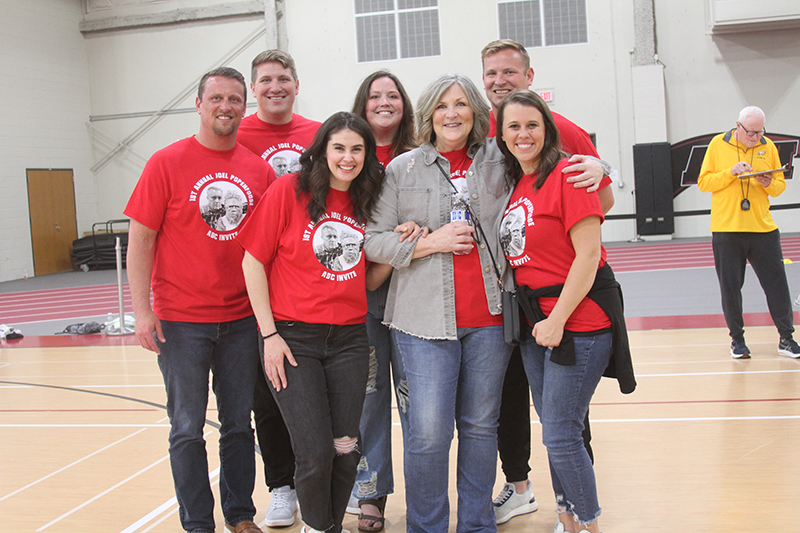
[
  {"x": 506, "y": 44},
  {"x": 430, "y": 98}
]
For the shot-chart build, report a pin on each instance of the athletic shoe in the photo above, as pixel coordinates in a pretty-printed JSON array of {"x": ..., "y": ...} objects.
[
  {"x": 306, "y": 529},
  {"x": 282, "y": 507},
  {"x": 739, "y": 349},
  {"x": 509, "y": 504},
  {"x": 352, "y": 506},
  {"x": 789, "y": 348}
]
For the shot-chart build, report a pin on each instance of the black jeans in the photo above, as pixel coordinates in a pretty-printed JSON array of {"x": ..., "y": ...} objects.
[
  {"x": 322, "y": 403},
  {"x": 514, "y": 429},
  {"x": 273, "y": 437},
  {"x": 732, "y": 250}
]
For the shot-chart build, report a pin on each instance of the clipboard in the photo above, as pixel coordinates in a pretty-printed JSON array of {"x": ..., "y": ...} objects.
[{"x": 784, "y": 168}]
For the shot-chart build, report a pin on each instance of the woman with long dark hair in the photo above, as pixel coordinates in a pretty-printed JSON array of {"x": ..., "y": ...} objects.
[
  {"x": 382, "y": 101},
  {"x": 308, "y": 232},
  {"x": 576, "y": 333}
]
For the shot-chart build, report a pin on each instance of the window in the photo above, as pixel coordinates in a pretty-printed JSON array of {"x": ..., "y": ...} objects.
[
  {"x": 392, "y": 29},
  {"x": 537, "y": 23}
]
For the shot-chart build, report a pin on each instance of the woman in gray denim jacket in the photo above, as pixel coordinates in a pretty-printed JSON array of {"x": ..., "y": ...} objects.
[{"x": 451, "y": 340}]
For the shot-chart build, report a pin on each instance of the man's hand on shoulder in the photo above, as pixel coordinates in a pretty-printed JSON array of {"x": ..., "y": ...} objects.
[{"x": 591, "y": 172}]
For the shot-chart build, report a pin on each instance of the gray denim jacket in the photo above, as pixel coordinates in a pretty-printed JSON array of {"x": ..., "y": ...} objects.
[{"x": 421, "y": 300}]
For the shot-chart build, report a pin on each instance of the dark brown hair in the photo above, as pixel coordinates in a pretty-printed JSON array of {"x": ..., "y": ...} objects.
[
  {"x": 551, "y": 152},
  {"x": 314, "y": 176},
  {"x": 403, "y": 140}
]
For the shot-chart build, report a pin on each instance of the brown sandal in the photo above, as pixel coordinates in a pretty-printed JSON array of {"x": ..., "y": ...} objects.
[{"x": 380, "y": 503}]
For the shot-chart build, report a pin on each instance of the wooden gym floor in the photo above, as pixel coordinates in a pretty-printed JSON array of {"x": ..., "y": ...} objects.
[{"x": 706, "y": 443}]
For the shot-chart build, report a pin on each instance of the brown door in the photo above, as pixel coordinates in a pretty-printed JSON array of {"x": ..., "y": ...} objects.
[{"x": 51, "y": 201}]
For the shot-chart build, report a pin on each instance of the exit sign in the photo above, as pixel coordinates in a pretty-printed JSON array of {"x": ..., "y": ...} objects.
[{"x": 546, "y": 94}]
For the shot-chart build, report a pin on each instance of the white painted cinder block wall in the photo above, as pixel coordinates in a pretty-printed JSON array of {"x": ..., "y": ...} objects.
[
  {"x": 71, "y": 77},
  {"x": 44, "y": 87}
]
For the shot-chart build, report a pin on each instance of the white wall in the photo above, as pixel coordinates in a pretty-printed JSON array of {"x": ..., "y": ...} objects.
[
  {"x": 141, "y": 70},
  {"x": 707, "y": 80},
  {"x": 45, "y": 92}
]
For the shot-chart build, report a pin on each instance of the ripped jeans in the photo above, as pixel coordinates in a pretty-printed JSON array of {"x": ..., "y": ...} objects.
[
  {"x": 322, "y": 403},
  {"x": 375, "y": 477}
]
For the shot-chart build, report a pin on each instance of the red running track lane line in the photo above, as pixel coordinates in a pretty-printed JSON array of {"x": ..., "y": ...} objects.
[
  {"x": 59, "y": 304},
  {"x": 670, "y": 256}
]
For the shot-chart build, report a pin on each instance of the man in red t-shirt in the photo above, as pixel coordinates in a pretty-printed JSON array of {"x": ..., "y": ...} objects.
[
  {"x": 507, "y": 68},
  {"x": 278, "y": 135},
  {"x": 274, "y": 132},
  {"x": 179, "y": 250}
]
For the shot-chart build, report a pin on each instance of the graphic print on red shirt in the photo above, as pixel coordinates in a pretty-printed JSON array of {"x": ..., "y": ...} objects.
[
  {"x": 315, "y": 270},
  {"x": 280, "y": 145},
  {"x": 535, "y": 237},
  {"x": 197, "y": 199}
]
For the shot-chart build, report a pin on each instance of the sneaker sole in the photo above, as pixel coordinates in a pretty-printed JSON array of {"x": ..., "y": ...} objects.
[
  {"x": 284, "y": 522},
  {"x": 787, "y": 353},
  {"x": 521, "y": 510},
  {"x": 745, "y": 355},
  {"x": 353, "y": 510}
]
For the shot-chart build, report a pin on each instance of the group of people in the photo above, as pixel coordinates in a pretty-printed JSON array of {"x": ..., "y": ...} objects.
[{"x": 379, "y": 265}]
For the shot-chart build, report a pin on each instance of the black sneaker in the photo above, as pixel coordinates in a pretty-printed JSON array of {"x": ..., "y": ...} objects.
[
  {"x": 789, "y": 348},
  {"x": 739, "y": 349}
]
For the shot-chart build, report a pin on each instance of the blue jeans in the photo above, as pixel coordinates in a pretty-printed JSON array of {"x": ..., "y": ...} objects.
[
  {"x": 229, "y": 350},
  {"x": 321, "y": 403},
  {"x": 561, "y": 396},
  {"x": 458, "y": 380},
  {"x": 375, "y": 477}
]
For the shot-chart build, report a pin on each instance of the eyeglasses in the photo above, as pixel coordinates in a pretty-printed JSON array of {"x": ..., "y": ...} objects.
[{"x": 749, "y": 133}]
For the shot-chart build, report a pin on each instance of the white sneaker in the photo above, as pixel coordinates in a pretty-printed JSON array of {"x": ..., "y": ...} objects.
[
  {"x": 282, "y": 507},
  {"x": 509, "y": 504},
  {"x": 352, "y": 506},
  {"x": 306, "y": 529}
]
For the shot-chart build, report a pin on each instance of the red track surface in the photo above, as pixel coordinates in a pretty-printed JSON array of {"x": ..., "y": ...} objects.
[
  {"x": 58, "y": 304},
  {"x": 669, "y": 256},
  {"x": 78, "y": 303}
]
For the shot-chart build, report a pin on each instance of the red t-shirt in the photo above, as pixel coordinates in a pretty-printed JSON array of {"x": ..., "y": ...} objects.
[
  {"x": 315, "y": 271},
  {"x": 535, "y": 238},
  {"x": 384, "y": 154},
  {"x": 278, "y": 144},
  {"x": 197, "y": 199},
  {"x": 472, "y": 308}
]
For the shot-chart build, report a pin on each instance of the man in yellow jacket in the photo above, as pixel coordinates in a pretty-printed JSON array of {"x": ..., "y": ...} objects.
[{"x": 742, "y": 228}]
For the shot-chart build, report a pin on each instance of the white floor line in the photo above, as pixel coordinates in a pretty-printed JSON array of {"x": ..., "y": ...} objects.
[
  {"x": 97, "y": 497},
  {"x": 29, "y": 485},
  {"x": 213, "y": 477},
  {"x": 731, "y": 373},
  {"x": 83, "y": 361},
  {"x": 696, "y": 419},
  {"x": 84, "y": 425},
  {"x": 75, "y": 376},
  {"x": 682, "y": 419},
  {"x": 728, "y": 361},
  {"x": 115, "y": 386}
]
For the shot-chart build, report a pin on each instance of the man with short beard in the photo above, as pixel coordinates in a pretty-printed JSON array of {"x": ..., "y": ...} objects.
[{"x": 194, "y": 330}]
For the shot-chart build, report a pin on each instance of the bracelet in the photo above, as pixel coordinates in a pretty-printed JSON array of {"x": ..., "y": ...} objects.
[{"x": 265, "y": 337}]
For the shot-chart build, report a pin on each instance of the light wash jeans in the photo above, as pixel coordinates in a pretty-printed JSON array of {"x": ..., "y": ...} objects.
[
  {"x": 561, "y": 396},
  {"x": 452, "y": 381},
  {"x": 375, "y": 477},
  {"x": 229, "y": 350}
]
